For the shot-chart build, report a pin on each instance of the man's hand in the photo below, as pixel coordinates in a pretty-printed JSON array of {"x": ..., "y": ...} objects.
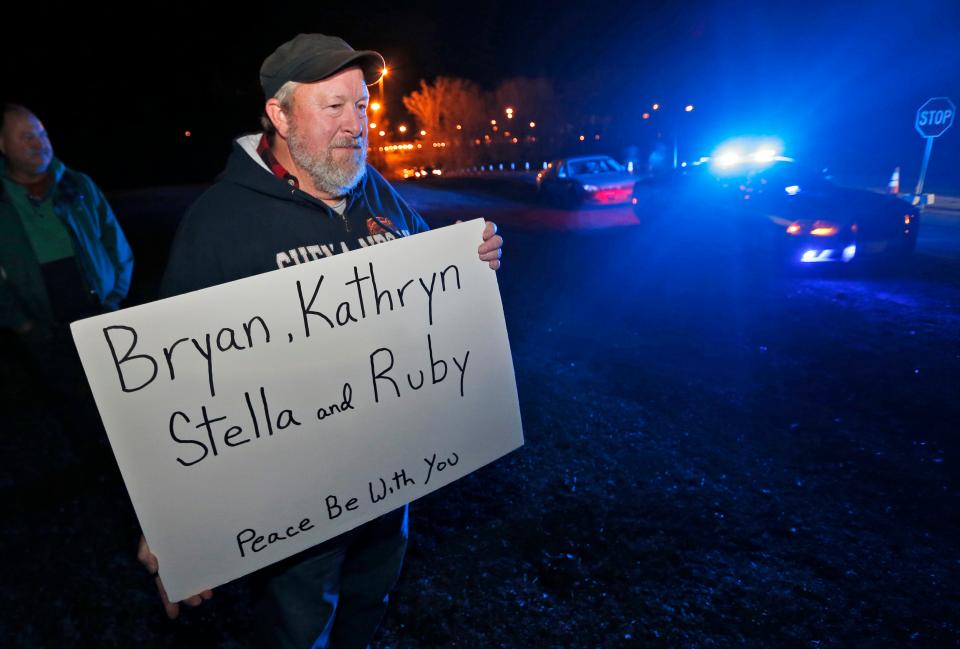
[
  {"x": 492, "y": 247},
  {"x": 150, "y": 562}
]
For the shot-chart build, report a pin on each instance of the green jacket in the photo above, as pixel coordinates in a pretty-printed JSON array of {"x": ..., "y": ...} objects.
[{"x": 101, "y": 250}]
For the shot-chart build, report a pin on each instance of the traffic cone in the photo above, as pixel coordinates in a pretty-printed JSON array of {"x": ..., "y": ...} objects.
[{"x": 893, "y": 187}]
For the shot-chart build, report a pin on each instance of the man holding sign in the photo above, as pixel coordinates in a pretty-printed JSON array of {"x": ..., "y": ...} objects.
[{"x": 302, "y": 191}]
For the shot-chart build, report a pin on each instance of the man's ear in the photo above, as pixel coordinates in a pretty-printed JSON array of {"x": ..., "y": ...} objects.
[{"x": 278, "y": 116}]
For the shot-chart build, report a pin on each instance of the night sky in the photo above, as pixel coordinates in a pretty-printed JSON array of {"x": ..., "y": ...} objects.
[{"x": 839, "y": 85}]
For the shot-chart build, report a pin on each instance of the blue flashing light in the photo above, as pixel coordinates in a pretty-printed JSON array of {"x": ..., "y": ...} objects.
[
  {"x": 849, "y": 252},
  {"x": 764, "y": 154},
  {"x": 728, "y": 158}
]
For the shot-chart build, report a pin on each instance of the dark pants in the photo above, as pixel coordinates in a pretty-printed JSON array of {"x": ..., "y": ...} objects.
[{"x": 332, "y": 596}]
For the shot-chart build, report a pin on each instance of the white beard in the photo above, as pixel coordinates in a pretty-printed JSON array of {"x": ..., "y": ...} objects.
[{"x": 328, "y": 175}]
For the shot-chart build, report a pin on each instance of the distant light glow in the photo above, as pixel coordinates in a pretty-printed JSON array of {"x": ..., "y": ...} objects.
[
  {"x": 906, "y": 217},
  {"x": 849, "y": 252},
  {"x": 188, "y": 134},
  {"x": 533, "y": 125},
  {"x": 375, "y": 106},
  {"x": 402, "y": 129},
  {"x": 423, "y": 132},
  {"x": 591, "y": 188},
  {"x": 459, "y": 127},
  {"x": 688, "y": 108},
  {"x": 493, "y": 122},
  {"x": 683, "y": 164},
  {"x": 792, "y": 190},
  {"x": 373, "y": 125},
  {"x": 656, "y": 106},
  {"x": 582, "y": 138},
  {"x": 382, "y": 133},
  {"x": 645, "y": 116},
  {"x": 794, "y": 228}
]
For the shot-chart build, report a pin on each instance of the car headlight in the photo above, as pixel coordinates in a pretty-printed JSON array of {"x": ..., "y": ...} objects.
[{"x": 591, "y": 188}]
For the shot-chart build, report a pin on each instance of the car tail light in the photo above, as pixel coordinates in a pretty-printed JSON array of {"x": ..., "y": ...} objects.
[
  {"x": 906, "y": 219},
  {"x": 794, "y": 228},
  {"x": 823, "y": 229}
]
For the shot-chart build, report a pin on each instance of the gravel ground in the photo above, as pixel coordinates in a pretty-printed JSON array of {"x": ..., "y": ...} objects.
[{"x": 716, "y": 455}]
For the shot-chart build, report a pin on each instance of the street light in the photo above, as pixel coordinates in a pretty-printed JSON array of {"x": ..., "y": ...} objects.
[{"x": 383, "y": 75}]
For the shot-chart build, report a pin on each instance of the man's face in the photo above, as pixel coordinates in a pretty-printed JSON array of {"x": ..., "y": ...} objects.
[
  {"x": 24, "y": 141},
  {"x": 327, "y": 133}
]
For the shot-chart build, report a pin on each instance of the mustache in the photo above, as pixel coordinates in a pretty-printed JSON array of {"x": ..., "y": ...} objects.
[{"x": 347, "y": 142}]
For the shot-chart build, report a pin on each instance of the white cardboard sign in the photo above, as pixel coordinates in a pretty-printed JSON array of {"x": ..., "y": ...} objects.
[{"x": 255, "y": 419}]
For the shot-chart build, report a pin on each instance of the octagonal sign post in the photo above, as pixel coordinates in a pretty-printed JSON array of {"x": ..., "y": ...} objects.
[{"x": 934, "y": 117}]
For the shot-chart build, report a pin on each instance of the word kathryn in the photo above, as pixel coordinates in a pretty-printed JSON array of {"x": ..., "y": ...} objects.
[{"x": 349, "y": 311}]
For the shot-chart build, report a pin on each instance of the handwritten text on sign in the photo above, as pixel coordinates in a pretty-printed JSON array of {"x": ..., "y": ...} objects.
[{"x": 255, "y": 419}]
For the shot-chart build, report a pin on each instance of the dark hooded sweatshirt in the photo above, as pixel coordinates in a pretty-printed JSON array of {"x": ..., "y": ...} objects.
[{"x": 250, "y": 221}]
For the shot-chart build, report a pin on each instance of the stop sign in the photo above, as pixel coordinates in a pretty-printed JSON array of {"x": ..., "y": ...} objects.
[{"x": 935, "y": 117}]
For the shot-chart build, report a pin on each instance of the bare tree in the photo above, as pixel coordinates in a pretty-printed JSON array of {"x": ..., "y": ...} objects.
[{"x": 443, "y": 105}]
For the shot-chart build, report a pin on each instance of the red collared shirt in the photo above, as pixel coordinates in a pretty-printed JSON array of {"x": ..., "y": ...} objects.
[{"x": 278, "y": 170}]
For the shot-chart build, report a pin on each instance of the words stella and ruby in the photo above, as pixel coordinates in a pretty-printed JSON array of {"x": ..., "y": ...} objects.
[{"x": 216, "y": 433}]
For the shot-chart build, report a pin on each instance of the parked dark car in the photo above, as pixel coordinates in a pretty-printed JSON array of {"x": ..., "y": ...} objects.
[{"x": 589, "y": 180}]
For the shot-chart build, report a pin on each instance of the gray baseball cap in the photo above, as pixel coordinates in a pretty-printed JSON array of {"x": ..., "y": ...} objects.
[{"x": 312, "y": 57}]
